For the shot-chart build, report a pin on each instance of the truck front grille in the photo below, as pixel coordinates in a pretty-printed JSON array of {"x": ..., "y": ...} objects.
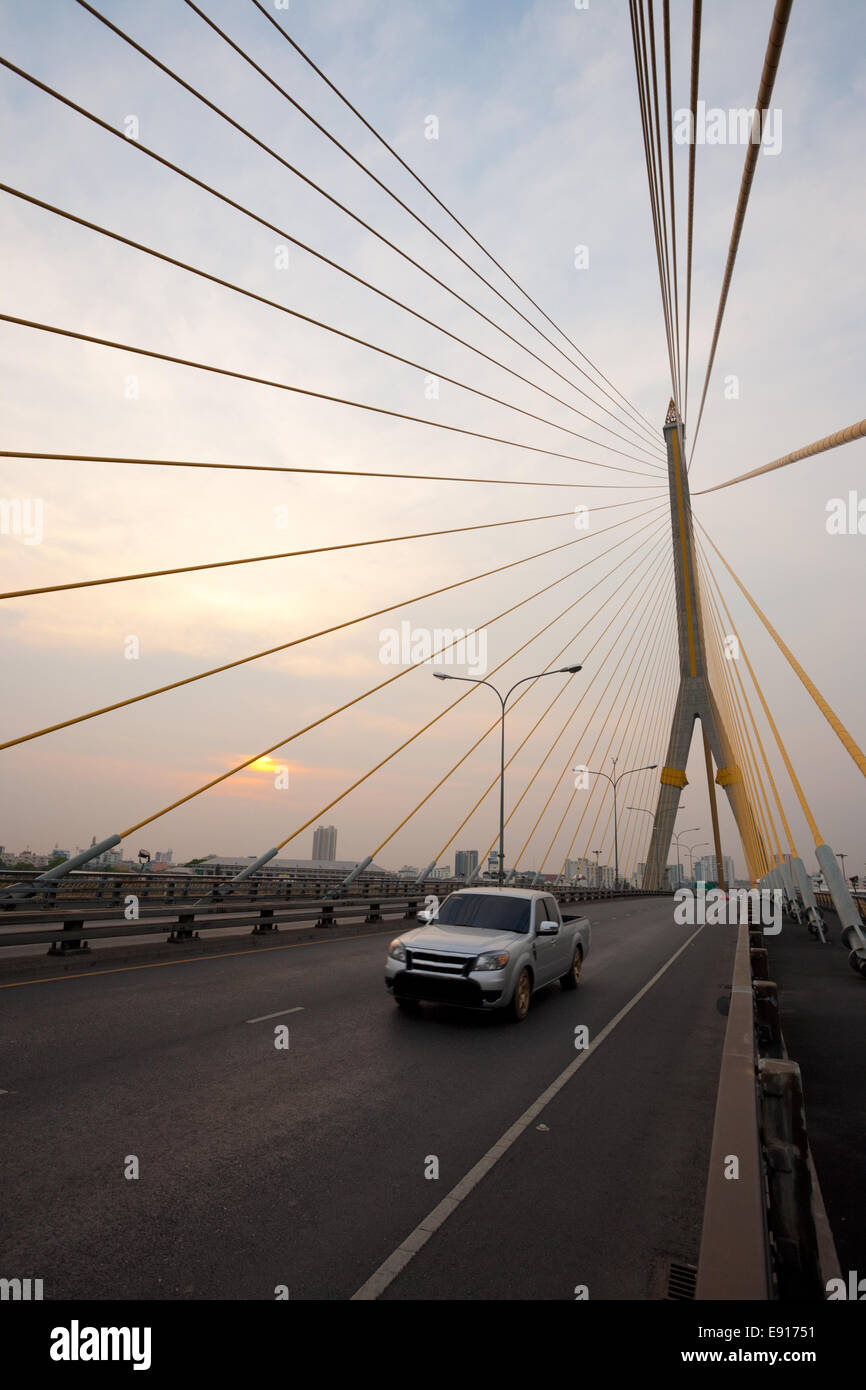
[{"x": 439, "y": 963}]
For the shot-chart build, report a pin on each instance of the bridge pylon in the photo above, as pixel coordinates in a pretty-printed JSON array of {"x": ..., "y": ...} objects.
[{"x": 695, "y": 699}]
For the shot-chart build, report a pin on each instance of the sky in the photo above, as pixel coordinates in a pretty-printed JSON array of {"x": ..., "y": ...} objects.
[{"x": 538, "y": 151}]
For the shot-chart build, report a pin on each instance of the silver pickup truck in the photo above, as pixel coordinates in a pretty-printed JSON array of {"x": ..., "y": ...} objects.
[{"x": 487, "y": 948}]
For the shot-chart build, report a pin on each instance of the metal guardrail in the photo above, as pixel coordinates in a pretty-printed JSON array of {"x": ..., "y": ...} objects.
[
  {"x": 825, "y": 900},
  {"x": 68, "y": 925}
]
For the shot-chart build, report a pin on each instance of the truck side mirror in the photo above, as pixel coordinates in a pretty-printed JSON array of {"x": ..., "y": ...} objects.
[{"x": 548, "y": 928}]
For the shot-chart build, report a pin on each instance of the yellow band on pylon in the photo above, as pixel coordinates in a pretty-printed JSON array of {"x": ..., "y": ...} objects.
[
  {"x": 673, "y": 777},
  {"x": 726, "y": 775}
]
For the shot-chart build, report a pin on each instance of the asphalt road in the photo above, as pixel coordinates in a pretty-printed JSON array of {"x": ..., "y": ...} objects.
[{"x": 305, "y": 1167}]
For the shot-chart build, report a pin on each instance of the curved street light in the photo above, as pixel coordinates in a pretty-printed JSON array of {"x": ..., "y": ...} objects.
[
  {"x": 690, "y": 830},
  {"x": 691, "y": 853},
  {"x": 614, "y": 782},
  {"x": 654, "y": 818},
  {"x": 503, "y": 700}
]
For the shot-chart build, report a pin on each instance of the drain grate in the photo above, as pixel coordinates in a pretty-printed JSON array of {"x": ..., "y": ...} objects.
[{"x": 682, "y": 1281}]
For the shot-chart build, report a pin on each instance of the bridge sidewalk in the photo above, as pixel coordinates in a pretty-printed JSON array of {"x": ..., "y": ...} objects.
[{"x": 823, "y": 1013}]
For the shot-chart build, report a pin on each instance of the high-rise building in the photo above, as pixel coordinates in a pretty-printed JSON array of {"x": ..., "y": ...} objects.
[
  {"x": 675, "y": 875},
  {"x": 325, "y": 842},
  {"x": 707, "y": 869},
  {"x": 163, "y": 856},
  {"x": 465, "y": 863}
]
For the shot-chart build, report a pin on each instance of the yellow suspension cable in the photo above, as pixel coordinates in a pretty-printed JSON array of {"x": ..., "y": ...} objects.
[
  {"x": 336, "y": 627},
  {"x": 526, "y": 691},
  {"x": 795, "y": 781},
  {"x": 573, "y": 753},
  {"x": 589, "y": 686},
  {"x": 532, "y": 779},
  {"x": 852, "y": 748},
  {"x": 600, "y": 783}
]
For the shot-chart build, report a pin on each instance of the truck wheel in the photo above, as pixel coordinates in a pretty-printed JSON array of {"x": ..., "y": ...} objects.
[
  {"x": 572, "y": 979},
  {"x": 522, "y": 994}
]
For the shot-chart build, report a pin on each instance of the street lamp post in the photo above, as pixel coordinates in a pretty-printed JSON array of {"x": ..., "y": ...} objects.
[
  {"x": 691, "y": 853},
  {"x": 614, "y": 782},
  {"x": 654, "y": 818},
  {"x": 690, "y": 830},
  {"x": 596, "y": 852},
  {"x": 503, "y": 700},
  {"x": 843, "y": 857}
]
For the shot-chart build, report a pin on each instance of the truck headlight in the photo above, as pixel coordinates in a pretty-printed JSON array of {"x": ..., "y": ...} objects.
[
  {"x": 493, "y": 960},
  {"x": 397, "y": 951}
]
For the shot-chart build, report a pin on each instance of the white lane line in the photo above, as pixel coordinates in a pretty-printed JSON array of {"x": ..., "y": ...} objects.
[
  {"x": 397, "y": 1262},
  {"x": 299, "y": 1009}
]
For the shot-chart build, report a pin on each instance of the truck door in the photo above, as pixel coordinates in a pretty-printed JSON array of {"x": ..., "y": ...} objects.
[
  {"x": 563, "y": 940},
  {"x": 548, "y": 949}
]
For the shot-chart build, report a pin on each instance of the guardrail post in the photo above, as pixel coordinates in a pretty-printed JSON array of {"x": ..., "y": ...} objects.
[
  {"x": 411, "y": 910},
  {"x": 68, "y": 946},
  {"x": 791, "y": 1217},
  {"x": 760, "y": 963},
  {"x": 265, "y": 923},
  {"x": 183, "y": 931},
  {"x": 327, "y": 917},
  {"x": 767, "y": 1018},
  {"x": 373, "y": 913}
]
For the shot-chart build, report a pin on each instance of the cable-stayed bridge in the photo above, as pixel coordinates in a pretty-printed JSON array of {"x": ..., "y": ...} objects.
[{"x": 641, "y": 638}]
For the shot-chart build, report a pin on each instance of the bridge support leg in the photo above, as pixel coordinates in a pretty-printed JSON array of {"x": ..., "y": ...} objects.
[
  {"x": 849, "y": 914},
  {"x": 804, "y": 886}
]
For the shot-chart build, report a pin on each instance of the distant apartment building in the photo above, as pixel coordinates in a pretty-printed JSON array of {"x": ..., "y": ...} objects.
[
  {"x": 707, "y": 869},
  {"x": 605, "y": 876},
  {"x": 163, "y": 856},
  {"x": 674, "y": 874},
  {"x": 637, "y": 876},
  {"x": 443, "y": 871},
  {"x": 325, "y": 843},
  {"x": 408, "y": 871},
  {"x": 465, "y": 863}
]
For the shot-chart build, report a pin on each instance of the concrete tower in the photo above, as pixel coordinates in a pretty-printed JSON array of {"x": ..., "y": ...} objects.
[{"x": 695, "y": 699}]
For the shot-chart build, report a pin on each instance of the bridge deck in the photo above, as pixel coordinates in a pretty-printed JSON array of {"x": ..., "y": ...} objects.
[{"x": 306, "y": 1167}]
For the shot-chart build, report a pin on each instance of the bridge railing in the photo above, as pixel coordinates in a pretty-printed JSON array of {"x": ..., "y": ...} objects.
[
  {"x": 759, "y": 1238},
  {"x": 67, "y": 926},
  {"x": 825, "y": 900}
]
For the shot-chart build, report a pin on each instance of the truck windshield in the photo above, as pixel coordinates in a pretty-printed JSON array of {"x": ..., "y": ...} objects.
[{"x": 495, "y": 913}]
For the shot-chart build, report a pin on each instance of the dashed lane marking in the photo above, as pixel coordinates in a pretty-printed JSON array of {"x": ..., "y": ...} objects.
[{"x": 262, "y": 1018}]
